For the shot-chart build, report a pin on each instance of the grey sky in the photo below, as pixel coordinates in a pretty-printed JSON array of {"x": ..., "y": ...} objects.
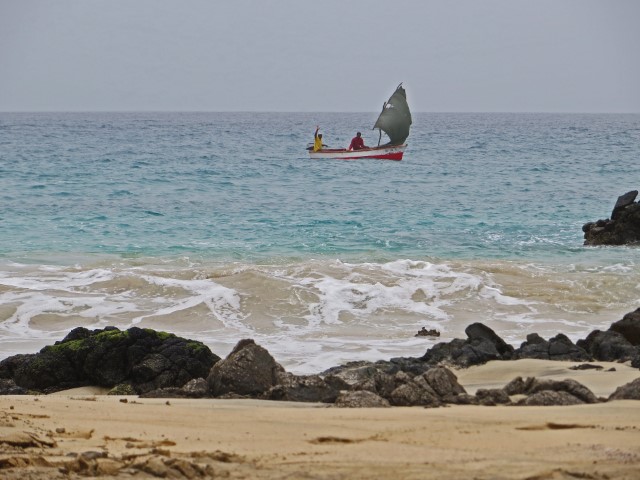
[{"x": 329, "y": 55}]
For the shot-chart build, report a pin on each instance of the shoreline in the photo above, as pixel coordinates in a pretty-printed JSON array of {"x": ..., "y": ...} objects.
[{"x": 125, "y": 436}]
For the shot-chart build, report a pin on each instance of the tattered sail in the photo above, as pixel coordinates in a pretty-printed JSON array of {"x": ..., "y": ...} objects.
[{"x": 395, "y": 118}]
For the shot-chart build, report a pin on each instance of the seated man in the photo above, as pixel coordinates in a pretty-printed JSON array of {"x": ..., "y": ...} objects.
[{"x": 357, "y": 143}]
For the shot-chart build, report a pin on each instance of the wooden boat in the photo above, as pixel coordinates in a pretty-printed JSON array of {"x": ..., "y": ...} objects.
[
  {"x": 394, "y": 121},
  {"x": 381, "y": 153}
]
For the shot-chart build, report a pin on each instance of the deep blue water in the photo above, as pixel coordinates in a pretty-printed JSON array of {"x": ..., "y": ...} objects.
[{"x": 240, "y": 185}]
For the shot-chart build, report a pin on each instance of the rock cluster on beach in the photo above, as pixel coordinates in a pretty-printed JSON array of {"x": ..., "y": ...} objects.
[
  {"x": 141, "y": 359},
  {"x": 622, "y": 228},
  {"x": 156, "y": 364}
]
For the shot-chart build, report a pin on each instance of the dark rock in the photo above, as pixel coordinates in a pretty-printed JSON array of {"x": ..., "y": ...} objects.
[
  {"x": 478, "y": 332},
  {"x": 492, "y": 396},
  {"x": 145, "y": 358},
  {"x": 586, "y": 366},
  {"x": 414, "y": 366},
  {"x": 444, "y": 382},
  {"x": 531, "y": 386},
  {"x": 551, "y": 397},
  {"x": 248, "y": 370},
  {"x": 481, "y": 346},
  {"x": 629, "y": 327},
  {"x": 413, "y": 394},
  {"x": 559, "y": 347},
  {"x": 444, "y": 352},
  {"x": 608, "y": 346},
  {"x": 518, "y": 386},
  {"x": 361, "y": 399},
  {"x": 382, "y": 383},
  {"x": 353, "y": 372},
  {"x": 623, "y": 228},
  {"x": 629, "y": 391},
  {"x": 423, "y": 332},
  {"x": 303, "y": 388},
  {"x": 169, "y": 392},
  {"x": 9, "y": 387},
  {"x": 356, "y": 372},
  {"x": 196, "y": 388},
  {"x": 433, "y": 388},
  {"x": 623, "y": 202},
  {"x": 462, "y": 399},
  {"x": 478, "y": 353}
]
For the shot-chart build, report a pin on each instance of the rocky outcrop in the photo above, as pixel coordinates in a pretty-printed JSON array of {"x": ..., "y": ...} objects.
[
  {"x": 144, "y": 358},
  {"x": 161, "y": 365},
  {"x": 249, "y": 370},
  {"x": 629, "y": 327},
  {"x": 305, "y": 388},
  {"x": 482, "y": 345},
  {"x": 609, "y": 346},
  {"x": 361, "y": 399},
  {"x": 621, "y": 229},
  {"x": 537, "y": 390},
  {"x": 629, "y": 391},
  {"x": 559, "y": 347},
  {"x": 437, "y": 386}
]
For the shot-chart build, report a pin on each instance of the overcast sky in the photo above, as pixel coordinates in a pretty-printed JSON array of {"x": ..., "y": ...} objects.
[{"x": 328, "y": 55}]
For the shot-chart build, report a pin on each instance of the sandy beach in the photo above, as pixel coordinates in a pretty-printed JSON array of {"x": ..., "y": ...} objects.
[{"x": 83, "y": 432}]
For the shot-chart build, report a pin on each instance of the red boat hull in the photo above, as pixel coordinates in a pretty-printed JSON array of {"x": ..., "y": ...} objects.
[{"x": 379, "y": 153}]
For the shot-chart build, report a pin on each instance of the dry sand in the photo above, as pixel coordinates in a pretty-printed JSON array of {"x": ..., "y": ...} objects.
[{"x": 128, "y": 437}]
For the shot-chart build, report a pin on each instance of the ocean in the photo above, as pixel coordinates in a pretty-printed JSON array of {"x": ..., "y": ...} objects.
[{"x": 218, "y": 227}]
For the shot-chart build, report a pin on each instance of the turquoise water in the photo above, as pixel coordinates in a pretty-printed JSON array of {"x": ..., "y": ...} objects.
[{"x": 217, "y": 225}]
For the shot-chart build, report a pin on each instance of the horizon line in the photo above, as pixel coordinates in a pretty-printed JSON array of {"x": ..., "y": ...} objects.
[{"x": 501, "y": 112}]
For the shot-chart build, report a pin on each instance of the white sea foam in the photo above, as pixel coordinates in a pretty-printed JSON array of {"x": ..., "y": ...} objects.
[{"x": 315, "y": 314}]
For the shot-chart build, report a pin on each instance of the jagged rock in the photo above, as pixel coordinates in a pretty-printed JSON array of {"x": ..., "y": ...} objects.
[
  {"x": 412, "y": 394},
  {"x": 559, "y": 347},
  {"x": 551, "y": 397},
  {"x": 361, "y": 399},
  {"x": 444, "y": 352},
  {"x": 492, "y": 396},
  {"x": 478, "y": 332},
  {"x": 248, "y": 370},
  {"x": 382, "y": 383},
  {"x": 9, "y": 387},
  {"x": 629, "y": 327},
  {"x": 423, "y": 332},
  {"x": 532, "y": 385},
  {"x": 587, "y": 366},
  {"x": 303, "y": 388},
  {"x": 481, "y": 346},
  {"x": 196, "y": 388},
  {"x": 443, "y": 381},
  {"x": 623, "y": 202},
  {"x": 623, "y": 227},
  {"x": 609, "y": 346},
  {"x": 356, "y": 372},
  {"x": 414, "y": 366},
  {"x": 143, "y": 357},
  {"x": 353, "y": 372},
  {"x": 629, "y": 391},
  {"x": 433, "y": 388}
]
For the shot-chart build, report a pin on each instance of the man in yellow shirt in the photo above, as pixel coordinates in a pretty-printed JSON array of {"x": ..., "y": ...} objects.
[{"x": 317, "y": 140}]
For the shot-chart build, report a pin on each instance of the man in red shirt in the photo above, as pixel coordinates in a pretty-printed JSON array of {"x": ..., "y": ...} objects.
[{"x": 357, "y": 143}]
